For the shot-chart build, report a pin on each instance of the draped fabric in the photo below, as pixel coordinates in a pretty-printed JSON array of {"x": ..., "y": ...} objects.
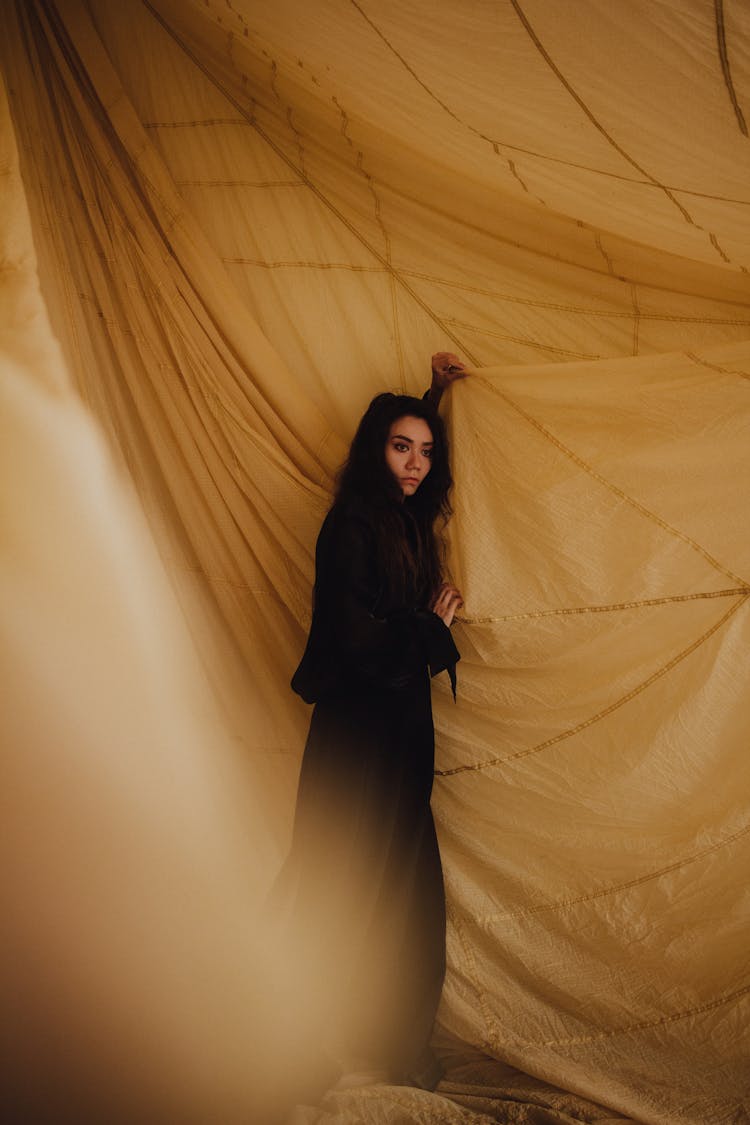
[
  {"x": 247, "y": 220},
  {"x": 135, "y": 981}
]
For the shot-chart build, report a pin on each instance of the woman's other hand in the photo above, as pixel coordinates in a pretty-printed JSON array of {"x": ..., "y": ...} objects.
[
  {"x": 445, "y": 603},
  {"x": 446, "y": 368}
]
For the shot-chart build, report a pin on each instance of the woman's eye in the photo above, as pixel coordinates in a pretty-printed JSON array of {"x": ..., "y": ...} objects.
[
  {"x": 400, "y": 447},
  {"x": 427, "y": 453}
]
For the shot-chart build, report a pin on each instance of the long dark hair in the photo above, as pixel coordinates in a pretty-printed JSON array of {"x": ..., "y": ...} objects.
[{"x": 410, "y": 558}]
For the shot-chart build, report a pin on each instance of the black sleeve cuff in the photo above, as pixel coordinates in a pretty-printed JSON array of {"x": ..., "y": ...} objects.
[{"x": 439, "y": 646}]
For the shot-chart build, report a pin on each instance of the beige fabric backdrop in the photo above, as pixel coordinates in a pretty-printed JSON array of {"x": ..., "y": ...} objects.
[
  {"x": 250, "y": 218},
  {"x": 135, "y": 981}
]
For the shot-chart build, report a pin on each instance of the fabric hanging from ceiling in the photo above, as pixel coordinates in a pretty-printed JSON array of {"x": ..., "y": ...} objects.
[
  {"x": 134, "y": 975},
  {"x": 251, "y": 218}
]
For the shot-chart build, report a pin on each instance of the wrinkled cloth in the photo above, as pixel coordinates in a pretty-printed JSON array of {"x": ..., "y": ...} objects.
[{"x": 250, "y": 219}]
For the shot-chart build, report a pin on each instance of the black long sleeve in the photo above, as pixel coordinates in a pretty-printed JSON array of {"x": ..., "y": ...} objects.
[{"x": 354, "y": 639}]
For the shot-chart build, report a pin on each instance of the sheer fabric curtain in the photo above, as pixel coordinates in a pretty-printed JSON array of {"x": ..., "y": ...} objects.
[{"x": 248, "y": 220}]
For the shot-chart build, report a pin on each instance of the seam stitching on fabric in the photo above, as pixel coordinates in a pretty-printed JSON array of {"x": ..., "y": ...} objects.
[
  {"x": 622, "y": 314},
  {"x": 304, "y": 265},
  {"x": 716, "y": 366},
  {"x": 209, "y": 122},
  {"x": 568, "y": 87},
  {"x": 721, "y": 41},
  {"x": 613, "y": 607},
  {"x": 472, "y": 973},
  {"x": 607, "y": 136},
  {"x": 560, "y": 260},
  {"x": 600, "y": 247},
  {"x": 563, "y": 307},
  {"x": 240, "y": 183},
  {"x": 496, "y": 145},
  {"x": 567, "y": 352},
  {"x": 639, "y": 507},
  {"x": 636, "y": 316},
  {"x": 648, "y": 182},
  {"x": 604, "y": 892},
  {"x": 566, "y": 734},
  {"x": 641, "y": 1025},
  {"x": 313, "y": 187}
]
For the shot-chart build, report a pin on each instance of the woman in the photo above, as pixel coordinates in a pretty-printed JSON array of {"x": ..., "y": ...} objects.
[{"x": 363, "y": 883}]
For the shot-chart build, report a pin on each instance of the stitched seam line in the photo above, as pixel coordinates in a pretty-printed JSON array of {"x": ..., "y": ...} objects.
[
  {"x": 646, "y": 182},
  {"x": 715, "y": 366},
  {"x": 721, "y": 41},
  {"x": 607, "y": 136},
  {"x": 312, "y": 186},
  {"x": 641, "y": 1025},
  {"x": 604, "y": 892},
  {"x": 612, "y": 608},
  {"x": 563, "y": 735},
  {"x": 560, "y": 306},
  {"x": 644, "y": 511}
]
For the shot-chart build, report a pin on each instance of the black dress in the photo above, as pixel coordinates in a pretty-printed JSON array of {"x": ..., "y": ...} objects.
[{"x": 363, "y": 885}]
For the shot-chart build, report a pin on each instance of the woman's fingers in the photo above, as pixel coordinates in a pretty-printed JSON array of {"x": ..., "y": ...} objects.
[
  {"x": 446, "y": 368},
  {"x": 448, "y": 589},
  {"x": 447, "y": 601},
  {"x": 443, "y": 360}
]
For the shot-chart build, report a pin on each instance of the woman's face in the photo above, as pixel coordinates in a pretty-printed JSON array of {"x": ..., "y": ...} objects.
[{"x": 408, "y": 452}]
